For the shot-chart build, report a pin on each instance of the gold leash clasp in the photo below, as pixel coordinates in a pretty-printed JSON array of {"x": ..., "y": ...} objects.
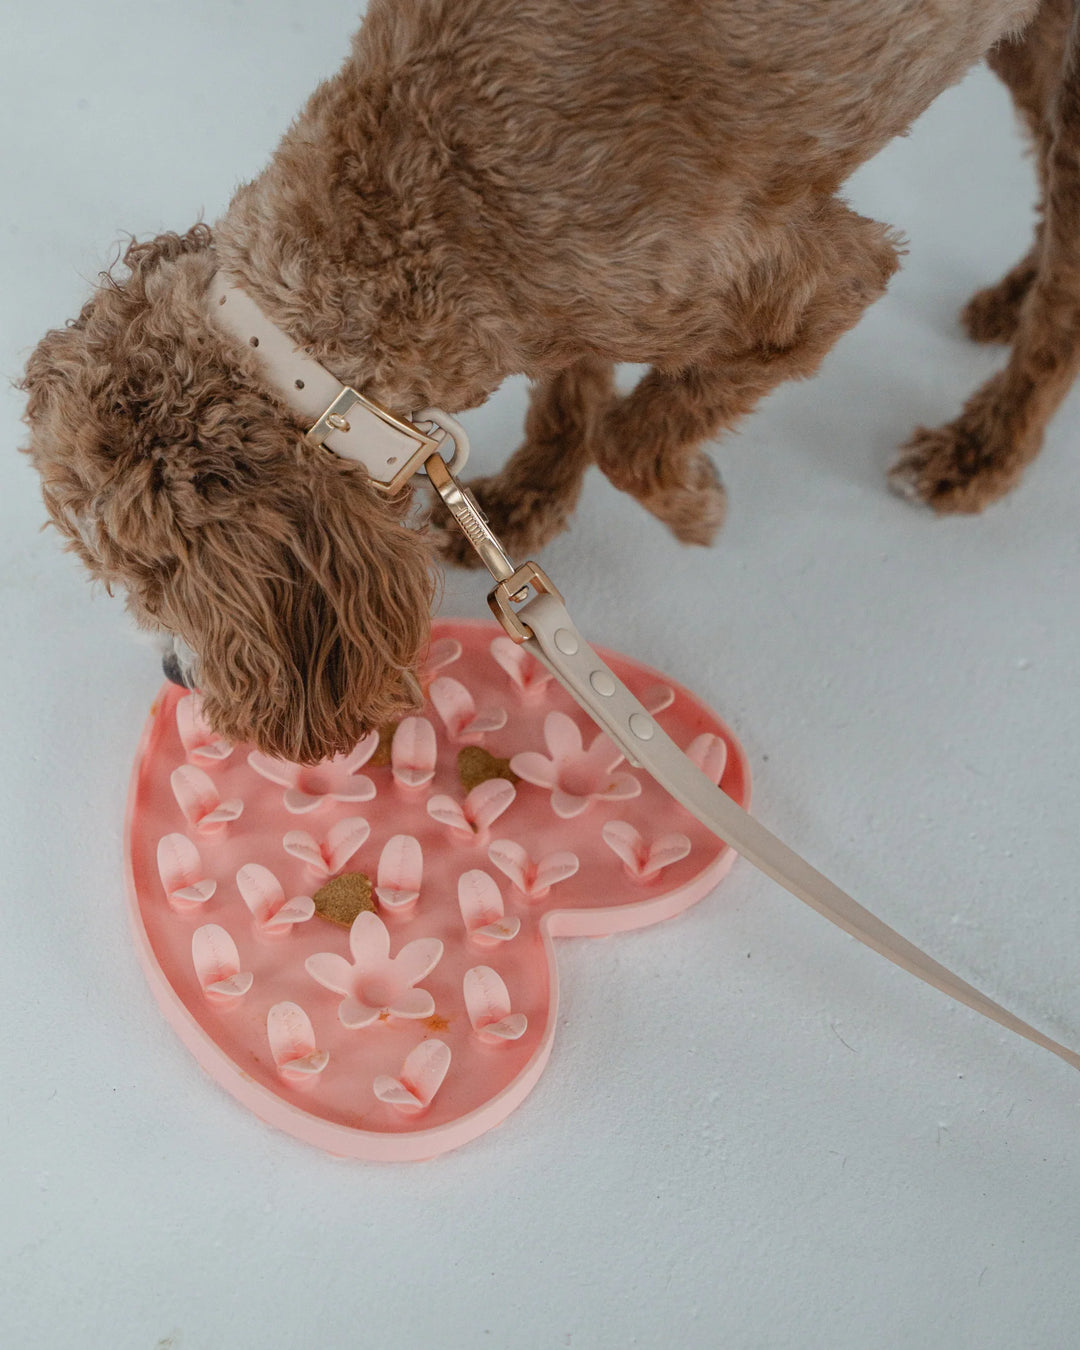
[
  {"x": 512, "y": 582},
  {"x": 514, "y": 589}
]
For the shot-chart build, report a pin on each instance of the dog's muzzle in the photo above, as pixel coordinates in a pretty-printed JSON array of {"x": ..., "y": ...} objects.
[{"x": 179, "y": 663}]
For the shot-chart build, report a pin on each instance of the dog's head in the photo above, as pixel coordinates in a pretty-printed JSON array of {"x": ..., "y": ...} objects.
[{"x": 177, "y": 475}]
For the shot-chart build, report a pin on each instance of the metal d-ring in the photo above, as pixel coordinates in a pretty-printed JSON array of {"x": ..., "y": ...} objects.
[{"x": 454, "y": 428}]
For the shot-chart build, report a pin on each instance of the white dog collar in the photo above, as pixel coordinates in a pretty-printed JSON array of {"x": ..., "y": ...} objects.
[{"x": 392, "y": 450}]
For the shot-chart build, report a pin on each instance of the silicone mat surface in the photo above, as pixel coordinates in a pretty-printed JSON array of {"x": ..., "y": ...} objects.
[{"x": 472, "y": 835}]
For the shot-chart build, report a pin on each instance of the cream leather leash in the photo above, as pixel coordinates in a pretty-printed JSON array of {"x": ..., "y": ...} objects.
[{"x": 533, "y": 614}]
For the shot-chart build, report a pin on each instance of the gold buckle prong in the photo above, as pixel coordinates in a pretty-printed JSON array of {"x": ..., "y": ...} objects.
[{"x": 334, "y": 416}]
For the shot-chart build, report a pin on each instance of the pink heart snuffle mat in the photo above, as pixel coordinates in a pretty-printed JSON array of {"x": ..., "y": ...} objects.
[{"x": 363, "y": 952}]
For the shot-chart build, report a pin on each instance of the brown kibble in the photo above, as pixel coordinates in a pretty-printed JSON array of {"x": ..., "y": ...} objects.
[
  {"x": 344, "y": 897},
  {"x": 475, "y": 766},
  {"x": 381, "y": 758}
]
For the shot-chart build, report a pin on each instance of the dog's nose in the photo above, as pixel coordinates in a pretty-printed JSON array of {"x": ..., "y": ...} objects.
[{"x": 170, "y": 664}]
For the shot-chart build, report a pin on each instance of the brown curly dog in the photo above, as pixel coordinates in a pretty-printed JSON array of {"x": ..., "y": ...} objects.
[{"x": 544, "y": 186}]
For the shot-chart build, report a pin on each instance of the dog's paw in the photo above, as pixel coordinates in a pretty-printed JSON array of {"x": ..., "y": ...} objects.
[
  {"x": 956, "y": 469},
  {"x": 694, "y": 508},
  {"x": 993, "y": 314}
]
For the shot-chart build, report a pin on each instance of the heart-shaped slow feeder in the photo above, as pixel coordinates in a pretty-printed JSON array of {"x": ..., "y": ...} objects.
[{"x": 410, "y": 1029}]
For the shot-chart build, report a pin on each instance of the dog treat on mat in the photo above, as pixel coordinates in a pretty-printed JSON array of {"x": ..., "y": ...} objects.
[
  {"x": 476, "y": 765},
  {"x": 344, "y": 897}
]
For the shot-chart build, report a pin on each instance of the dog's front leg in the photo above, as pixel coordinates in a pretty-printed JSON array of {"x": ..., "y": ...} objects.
[
  {"x": 532, "y": 498},
  {"x": 972, "y": 461}
]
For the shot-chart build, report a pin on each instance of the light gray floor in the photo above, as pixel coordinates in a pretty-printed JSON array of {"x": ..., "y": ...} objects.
[{"x": 753, "y": 1132}]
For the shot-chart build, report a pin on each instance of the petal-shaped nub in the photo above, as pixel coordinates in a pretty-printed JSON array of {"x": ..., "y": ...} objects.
[
  {"x": 483, "y": 911},
  {"x": 657, "y": 697},
  {"x": 299, "y": 803},
  {"x": 180, "y": 870},
  {"x": 710, "y": 754},
  {"x": 401, "y": 870},
  {"x": 487, "y": 1001},
  {"x": 198, "y": 740},
  {"x": 484, "y": 804},
  {"x": 533, "y": 879},
  {"x": 217, "y": 964},
  {"x": 359, "y": 755},
  {"x": 343, "y": 838},
  {"x": 442, "y": 652},
  {"x": 421, "y": 1077},
  {"x": 200, "y": 800},
  {"x": 292, "y": 1043},
  {"x": 644, "y": 859},
  {"x": 308, "y": 849},
  {"x": 526, "y": 673},
  {"x": 413, "y": 752},
  {"x": 275, "y": 770},
  {"x": 455, "y": 706},
  {"x": 449, "y": 813},
  {"x": 265, "y": 898},
  {"x": 487, "y": 801}
]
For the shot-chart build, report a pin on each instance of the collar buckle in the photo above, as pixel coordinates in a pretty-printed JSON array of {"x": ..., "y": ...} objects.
[{"x": 393, "y": 450}]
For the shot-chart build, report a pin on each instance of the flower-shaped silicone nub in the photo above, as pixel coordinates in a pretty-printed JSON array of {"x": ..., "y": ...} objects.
[
  {"x": 526, "y": 673},
  {"x": 401, "y": 870},
  {"x": 336, "y": 779},
  {"x": 457, "y": 709},
  {"x": 421, "y": 1077},
  {"x": 196, "y": 737},
  {"x": 442, "y": 652},
  {"x": 376, "y": 985},
  {"x": 342, "y": 840},
  {"x": 292, "y": 1043},
  {"x": 264, "y": 896},
  {"x": 709, "y": 753},
  {"x": 487, "y": 1001},
  {"x": 484, "y": 804},
  {"x": 181, "y": 871},
  {"x": 576, "y": 776},
  {"x": 217, "y": 964},
  {"x": 533, "y": 879},
  {"x": 644, "y": 859},
  {"x": 483, "y": 910},
  {"x": 412, "y": 752},
  {"x": 200, "y": 800}
]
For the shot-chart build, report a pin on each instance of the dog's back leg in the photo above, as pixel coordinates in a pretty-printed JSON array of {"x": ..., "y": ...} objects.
[
  {"x": 776, "y": 323},
  {"x": 531, "y": 499},
  {"x": 1029, "y": 65},
  {"x": 970, "y": 462}
]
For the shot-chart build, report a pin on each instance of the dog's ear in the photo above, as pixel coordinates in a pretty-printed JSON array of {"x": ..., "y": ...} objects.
[
  {"x": 308, "y": 610},
  {"x": 177, "y": 476},
  {"x": 107, "y": 394}
]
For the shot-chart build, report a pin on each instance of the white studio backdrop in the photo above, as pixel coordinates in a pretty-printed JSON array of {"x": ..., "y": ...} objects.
[{"x": 753, "y": 1132}]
